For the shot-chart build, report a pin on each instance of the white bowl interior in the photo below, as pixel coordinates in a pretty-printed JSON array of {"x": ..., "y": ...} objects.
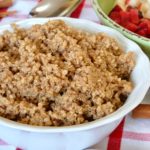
[{"x": 140, "y": 75}]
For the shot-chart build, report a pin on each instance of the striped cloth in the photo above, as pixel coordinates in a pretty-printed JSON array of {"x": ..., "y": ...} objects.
[{"x": 131, "y": 134}]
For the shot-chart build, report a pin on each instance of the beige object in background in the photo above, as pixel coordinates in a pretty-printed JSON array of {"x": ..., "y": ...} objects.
[
  {"x": 5, "y": 3},
  {"x": 143, "y": 110}
]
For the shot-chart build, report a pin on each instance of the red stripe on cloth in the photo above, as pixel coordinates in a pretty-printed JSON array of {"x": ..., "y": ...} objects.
[
  {"x": 77, "y": 12},
  {"x": 18, "y": 149},
  {"x": 136, "y": 136},
  {"x": 114, "y": 141}
]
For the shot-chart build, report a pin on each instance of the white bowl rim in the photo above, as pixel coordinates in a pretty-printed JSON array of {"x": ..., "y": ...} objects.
[{"x": 120, "y": 113}]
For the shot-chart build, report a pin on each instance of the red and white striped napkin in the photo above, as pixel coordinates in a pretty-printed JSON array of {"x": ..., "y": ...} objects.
[{"x": 131, "y": 134}]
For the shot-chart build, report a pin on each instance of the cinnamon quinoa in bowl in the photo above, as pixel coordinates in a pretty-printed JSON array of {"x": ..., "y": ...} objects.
[{"x": 56, "y": 75}]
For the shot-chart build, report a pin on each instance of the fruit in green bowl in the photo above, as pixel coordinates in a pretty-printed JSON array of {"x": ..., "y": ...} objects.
[{"x": 103, "y": 8}]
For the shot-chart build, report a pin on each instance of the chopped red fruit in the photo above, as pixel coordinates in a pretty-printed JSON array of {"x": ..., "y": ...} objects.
[
  {"x": 116, "y": 17},
  {"x": 117, "y": 8},
  {"x": 143, "y": 25},
  {"x": 129, "y": 8},
  {"x": 124, "y": 17},
  {"x": 132, "y": 20},
  {"x": 134, "y": 16},
  {"x": 132, "y": 27},
  {"x": 149, "y": 29},
  {"x": 146, "y": 25},
  {"x": 141, "y": 32}
]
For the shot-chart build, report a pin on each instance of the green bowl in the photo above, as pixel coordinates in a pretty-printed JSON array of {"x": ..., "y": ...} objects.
[{"x": 103, "y": 8}]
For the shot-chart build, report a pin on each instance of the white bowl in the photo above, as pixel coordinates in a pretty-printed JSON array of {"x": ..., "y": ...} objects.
[{"x": 79, "y": 136}]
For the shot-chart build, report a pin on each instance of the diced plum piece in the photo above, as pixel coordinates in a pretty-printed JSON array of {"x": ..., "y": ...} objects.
[
  {"x": 142, "y": 32},
  {"x": 132, "y": 27},
  {"x": 124, "y": 17},
  {"x": 134, "y": 16},
  {"x": 117, "y": 8},
  {"x": 115, "y": 16}
]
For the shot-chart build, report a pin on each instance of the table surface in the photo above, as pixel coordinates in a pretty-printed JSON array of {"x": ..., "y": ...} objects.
[{"x": 131, "y": 134}]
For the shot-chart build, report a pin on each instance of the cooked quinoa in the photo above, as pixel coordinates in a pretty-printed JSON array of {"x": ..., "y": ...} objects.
[{"x": 55, "y": 75}]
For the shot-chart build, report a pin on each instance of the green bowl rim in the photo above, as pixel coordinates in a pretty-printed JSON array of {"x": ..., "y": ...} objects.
[{"x": 99, "y": 10}]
